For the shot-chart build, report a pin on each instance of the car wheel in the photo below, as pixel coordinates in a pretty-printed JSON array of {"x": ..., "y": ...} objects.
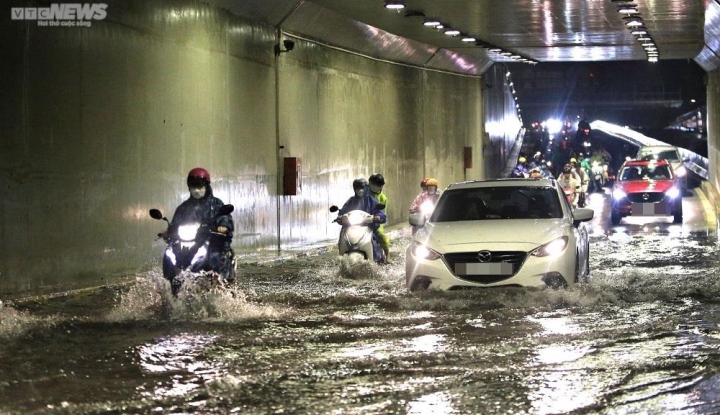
[
  {"x": 578, "y": 278},
  {"x": 587, "y": 265},
  {"x": 677, "y": 217},
  {"x": 615, "y": 218}
]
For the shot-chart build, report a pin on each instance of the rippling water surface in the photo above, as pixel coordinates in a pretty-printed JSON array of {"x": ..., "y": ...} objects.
[{"x": 310, "y": 335}]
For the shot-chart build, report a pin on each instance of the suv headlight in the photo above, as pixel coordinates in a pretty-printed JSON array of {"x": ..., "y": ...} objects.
[
  {"x": 673, "y": 192},
  {"x": 618, "y": 194},
  {"x": 421, "y": 251},
  {"x": 554, "y": 247}
]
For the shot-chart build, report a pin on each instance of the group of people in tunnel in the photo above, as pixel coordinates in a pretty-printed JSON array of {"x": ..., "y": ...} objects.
[{"x": 202, "y": 206}]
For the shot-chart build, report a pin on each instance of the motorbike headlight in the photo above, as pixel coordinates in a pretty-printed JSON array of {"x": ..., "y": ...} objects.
[
  {"x": 188, "y": 232},
  {"x": 673, "y": 192},
  {"x": 618, "y": 194},
  {"x": 551, "y": 248},
  {"x": 355, "y": 220},
  {"x": 427, "y": 207},
  {"x": 421, "y": 251}
]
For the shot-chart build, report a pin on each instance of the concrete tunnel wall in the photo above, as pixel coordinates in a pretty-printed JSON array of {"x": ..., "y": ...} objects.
[
  {"x": 713, "y": 128},
  {"x": 101, "y": 123}
]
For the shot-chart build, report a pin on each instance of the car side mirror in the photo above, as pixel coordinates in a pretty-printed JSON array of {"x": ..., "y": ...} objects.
[
  {"x": 334, "y": 208},
  {"x": 582, "y": 215}
]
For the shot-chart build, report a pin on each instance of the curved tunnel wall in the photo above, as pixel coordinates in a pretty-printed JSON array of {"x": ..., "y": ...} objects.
[{"x": 102, "y": 123}]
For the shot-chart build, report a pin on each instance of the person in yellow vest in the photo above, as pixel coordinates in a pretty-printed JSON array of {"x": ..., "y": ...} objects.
[{"x": 376, "y": 185}]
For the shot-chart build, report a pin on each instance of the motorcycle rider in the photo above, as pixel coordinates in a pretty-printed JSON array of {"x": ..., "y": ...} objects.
[
  {"x": 428, "y": 197},
  {"x": 201, "y": 207},
  {"x": 537, "y": 161},
  {"x": 431, "y": 194},
  {"x": 584, "y": 181},
  {"x": 363, "y": 200},
  {"x": 569, "y": 183},
  {"x": 376, "y": 185},
  {"x": 520, "y": 169}
]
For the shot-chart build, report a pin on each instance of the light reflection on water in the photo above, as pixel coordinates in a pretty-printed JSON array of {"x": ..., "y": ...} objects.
[{"x": 641, "y": 337}]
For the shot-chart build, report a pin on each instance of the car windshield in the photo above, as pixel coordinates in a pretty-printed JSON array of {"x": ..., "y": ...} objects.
[
  {"x": 645, "y": 173},
  {"x": 502, "y": 202},
  {"x": 657, "y": 155}
]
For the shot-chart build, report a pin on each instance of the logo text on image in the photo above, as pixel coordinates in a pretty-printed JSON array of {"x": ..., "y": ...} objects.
[{"x": 61, "y": 14}]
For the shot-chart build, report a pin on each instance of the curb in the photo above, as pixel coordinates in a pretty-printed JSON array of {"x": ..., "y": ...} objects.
[{"x": 707, "y": 191}]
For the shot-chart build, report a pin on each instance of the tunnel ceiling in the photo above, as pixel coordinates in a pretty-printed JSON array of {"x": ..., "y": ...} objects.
[{"x": 538, "y": 30}]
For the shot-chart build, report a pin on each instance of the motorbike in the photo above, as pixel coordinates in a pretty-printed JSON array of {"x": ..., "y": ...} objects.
[
  {"x": 187, "y": 252},
  {"x": 597, "y": 176},
  {"x": 356, "y": 236},
  {"x": 570, "y": 194},
  {"x": 421, "y": 215}
]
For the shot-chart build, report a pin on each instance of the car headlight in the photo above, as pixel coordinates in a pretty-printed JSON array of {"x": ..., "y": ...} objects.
[
  {"x": 673, "y": 192},
  {"x": 618, "y": 194},
  {"x": 421, "y": 251},
  {"x": 551, "y": 248},
  {"x": 681, "y": 171}
]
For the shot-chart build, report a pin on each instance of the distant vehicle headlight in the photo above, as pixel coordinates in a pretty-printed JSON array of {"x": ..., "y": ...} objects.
[
  {"x": 618, "y": 194},
  {"x": 423, "y": 252},
  {"x": 551, "y": 248},
  {"x": 673, "y": 192}
]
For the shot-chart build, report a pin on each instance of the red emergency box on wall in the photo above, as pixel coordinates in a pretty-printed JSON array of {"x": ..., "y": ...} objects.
[{"x": 292, "y": 176}]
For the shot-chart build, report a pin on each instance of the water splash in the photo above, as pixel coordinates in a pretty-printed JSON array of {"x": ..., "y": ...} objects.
[
  {"x": 13, "y": 322},
  {"x": 150, "y": 298}
]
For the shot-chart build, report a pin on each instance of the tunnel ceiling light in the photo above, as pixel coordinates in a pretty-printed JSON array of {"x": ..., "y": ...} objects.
[
  {"x": 635, "y": 18},
  {"x": 431, "y": 23},
  {"x": 495, "y": 50},
  {"x": 644, "y": 39},
  {"x": 395, "y": 5},
  {"x": 639, "y": 32},
  {"x": 452, "y": 32},
  {"x": 628, "y": 10},
  {"x": 634, "y": 23},
  {"x": 468, "y": 39}
]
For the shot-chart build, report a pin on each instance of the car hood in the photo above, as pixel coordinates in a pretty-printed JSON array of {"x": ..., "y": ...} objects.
[
  {"x": 638, "y": 186},
  {"x": 528, "y": 233}
]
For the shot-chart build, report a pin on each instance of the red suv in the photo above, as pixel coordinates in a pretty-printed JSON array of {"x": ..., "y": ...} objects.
[{"x": 646, "y": 188}]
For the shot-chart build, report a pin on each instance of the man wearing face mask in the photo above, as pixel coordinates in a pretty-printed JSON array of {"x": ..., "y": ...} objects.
[
  {"x": 363, "y": 200},
  {"x": 202, "y": 207}
]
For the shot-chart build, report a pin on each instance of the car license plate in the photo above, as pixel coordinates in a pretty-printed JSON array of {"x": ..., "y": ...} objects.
[
  {"x": 488, "y": 268},
  {"x": 650, "y": 209}
]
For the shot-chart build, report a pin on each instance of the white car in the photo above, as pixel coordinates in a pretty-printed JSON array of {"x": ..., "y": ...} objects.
[
  {"x": 669, "y": 153},
  {"x": 504, "y": 232}
]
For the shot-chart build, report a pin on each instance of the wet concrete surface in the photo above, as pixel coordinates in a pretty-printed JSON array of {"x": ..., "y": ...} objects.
[{"x": 304, "y": 333}]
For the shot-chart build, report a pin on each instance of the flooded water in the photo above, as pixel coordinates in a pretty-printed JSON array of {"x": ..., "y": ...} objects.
[{"x": 306, "y": 335}]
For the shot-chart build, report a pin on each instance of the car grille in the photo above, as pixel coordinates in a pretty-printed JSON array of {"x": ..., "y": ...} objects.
[
  {"x": 653, "y": 197},
  {"x": 515, "y": 258}
]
